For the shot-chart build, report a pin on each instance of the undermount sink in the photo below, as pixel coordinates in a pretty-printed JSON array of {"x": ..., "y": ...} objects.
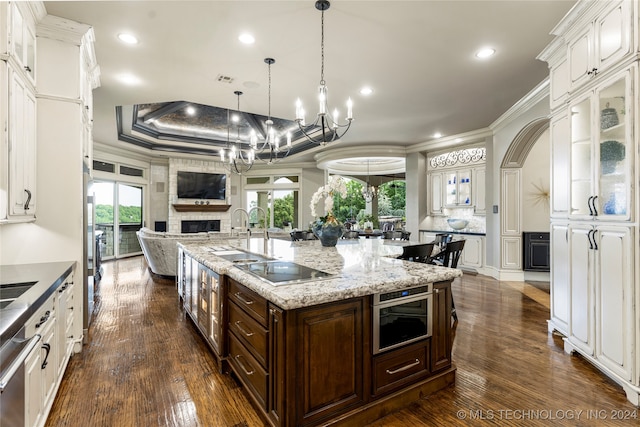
[
  {"x": 9, "y": 292},
  {"x": 240, "y": 257}
]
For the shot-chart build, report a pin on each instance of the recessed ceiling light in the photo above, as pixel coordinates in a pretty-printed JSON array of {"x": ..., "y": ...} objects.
[
  {"x": 190, "y": 110},
  {"x": 366, "y": 91},
  {"x": 485, "y": 52},
  {"x": 437, "y": 135},
  {"x": 247, "y": 38},
  {"x": 129, "y": 79},
  {"x": 128, "y": 38}
]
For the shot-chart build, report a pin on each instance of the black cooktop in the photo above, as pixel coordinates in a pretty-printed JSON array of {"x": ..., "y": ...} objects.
[{"x": 283, "y": 272}]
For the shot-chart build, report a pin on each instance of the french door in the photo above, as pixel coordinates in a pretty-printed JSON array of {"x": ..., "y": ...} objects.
[{"x": 118, "y": 209}]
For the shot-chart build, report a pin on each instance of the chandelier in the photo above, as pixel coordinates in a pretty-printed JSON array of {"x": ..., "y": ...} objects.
[
  {"x": 271, "y": 151},
  {"x": 234, "y": 157},
  {"x": 330, "y": 128},
  {"x": 369, "y": 192}
]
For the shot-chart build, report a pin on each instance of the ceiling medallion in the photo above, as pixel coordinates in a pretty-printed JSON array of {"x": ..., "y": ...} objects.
[{"x": 326, "y": 126}]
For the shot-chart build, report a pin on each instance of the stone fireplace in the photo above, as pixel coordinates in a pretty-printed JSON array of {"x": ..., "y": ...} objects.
[{"x": 201, "y": 217}]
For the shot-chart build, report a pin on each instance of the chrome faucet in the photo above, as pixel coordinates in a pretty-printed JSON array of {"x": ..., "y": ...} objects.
[
  {"x": 264, "y": 218},
  {"x": 245, "y": 224}
]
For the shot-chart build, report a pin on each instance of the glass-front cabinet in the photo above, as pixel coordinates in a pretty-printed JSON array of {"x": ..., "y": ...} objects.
[
  {"x": 458, "y": 188},
  {"x": 601, "y": 136}
]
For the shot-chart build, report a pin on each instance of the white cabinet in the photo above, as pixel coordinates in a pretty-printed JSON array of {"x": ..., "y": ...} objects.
[
  {"x": 615, "y": 327},
  {"x": 473, "y": 252},
  {"x": 39, "y": 366},
  {"x": 594, "y": 150},
  {"x": 435, "y": 181},
  {"x": 457, "y": 188},
  {"x": 18, "y": 113},
  {"x": 594, "y": 47},
  {"x": 65, "y": 320},
  {"x": 602, "y": 295},
  {"x": 560, "y": 158},
  {"x": 22, "y": 39},
  {"x": 478, "y": 191},
  {"x": 22, "y": 147},
  {"x": 601, "y": 151},
  {"x": 559, "y": 278}
]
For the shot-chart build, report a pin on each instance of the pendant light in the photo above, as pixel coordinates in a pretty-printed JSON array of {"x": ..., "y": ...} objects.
[
  {"x": 272, "y": 150},
  {"x": 326, "y": 128},
  {"x": 234, "y": 156}
]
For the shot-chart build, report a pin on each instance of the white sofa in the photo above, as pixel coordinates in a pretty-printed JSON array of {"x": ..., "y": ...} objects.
[{"x": 161, "y": 251}]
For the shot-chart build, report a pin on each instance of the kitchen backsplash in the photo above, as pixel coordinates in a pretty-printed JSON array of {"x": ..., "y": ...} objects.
[{"x": 477, "y": 223}]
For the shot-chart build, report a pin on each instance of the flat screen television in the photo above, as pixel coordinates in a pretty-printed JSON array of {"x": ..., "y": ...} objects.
[{"x": 200, "y": 185}]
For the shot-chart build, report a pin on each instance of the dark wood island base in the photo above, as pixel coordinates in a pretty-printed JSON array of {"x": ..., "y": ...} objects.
[{"x": 315, "y": 365}]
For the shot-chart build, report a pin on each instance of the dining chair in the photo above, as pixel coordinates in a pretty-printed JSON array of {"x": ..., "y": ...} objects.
[
  {"x": 351, "y": 234},
  {"x": 392, "y": 235},
  {"x": 300, "y": 235},
  {"x": 450, "y": 259},
  {"x": 417, "y": 253}
]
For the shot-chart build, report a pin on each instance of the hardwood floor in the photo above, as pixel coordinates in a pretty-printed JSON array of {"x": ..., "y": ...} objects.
[{"x": 145, "y": 365}]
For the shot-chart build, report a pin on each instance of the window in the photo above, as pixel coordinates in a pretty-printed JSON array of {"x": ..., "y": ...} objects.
[{"x": 277, "y": 196}]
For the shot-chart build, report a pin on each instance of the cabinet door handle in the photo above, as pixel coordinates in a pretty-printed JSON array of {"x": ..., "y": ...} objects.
[
  {"x": 47, "y": 347},
  {"x": 241, "y": 329},
  {"x": 593, "y": 236},
  {"x": 589, "y": 205},
  {"x": 239, "y": 295},
  {"x": 43, "y": 319},
  {"x": 246, "y": 371},
  {"x": 404, "y": 368},
  {"x": 27, "y": 68},
  {"x": 593, "y": 203},
  {"x": 589, "y": 238},
  {"x": 26, "y": 204}
]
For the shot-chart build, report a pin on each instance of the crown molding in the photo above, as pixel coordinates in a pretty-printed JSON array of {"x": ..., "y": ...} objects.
[{"x": 527, "y": 102}]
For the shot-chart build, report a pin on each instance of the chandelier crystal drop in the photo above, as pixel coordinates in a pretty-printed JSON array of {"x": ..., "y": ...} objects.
[
  {"x": 369, "y": 192},
  {"x": 236, "y": 158},
  {"x": 326, "y": 127},
  {"x": 272, "y": 150}
]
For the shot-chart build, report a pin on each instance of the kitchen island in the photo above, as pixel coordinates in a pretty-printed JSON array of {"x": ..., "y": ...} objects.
[{"x": 314, "y": 350}]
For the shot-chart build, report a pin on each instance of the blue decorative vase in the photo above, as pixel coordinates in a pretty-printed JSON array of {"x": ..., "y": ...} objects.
[{"x": 328, "y": 231}]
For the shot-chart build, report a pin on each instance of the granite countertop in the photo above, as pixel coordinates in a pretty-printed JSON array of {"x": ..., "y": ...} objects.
[
  {"x": 362, "y": 267},
  {"x": 469, "y": 233},
  {"x": 47, "y": 277}
]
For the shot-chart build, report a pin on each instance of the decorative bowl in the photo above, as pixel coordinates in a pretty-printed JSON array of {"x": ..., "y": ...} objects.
[{"x": 457, "y": 224}]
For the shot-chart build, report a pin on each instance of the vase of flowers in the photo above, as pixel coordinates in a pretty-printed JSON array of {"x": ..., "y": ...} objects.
[{"x": 328, "y": 228}]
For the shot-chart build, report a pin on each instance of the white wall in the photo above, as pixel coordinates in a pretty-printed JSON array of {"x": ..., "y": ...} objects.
[
  {"x": 504, "y": 135},
  {"x": 535, "y": 186}
]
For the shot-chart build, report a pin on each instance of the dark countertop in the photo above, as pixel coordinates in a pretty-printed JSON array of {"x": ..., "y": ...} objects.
[
  {"x": 47, "y": 277},
  {"x": 469, "y": 233}
]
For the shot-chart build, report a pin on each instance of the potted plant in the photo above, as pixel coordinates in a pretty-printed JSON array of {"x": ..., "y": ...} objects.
[{"x": 328, "y": 228}]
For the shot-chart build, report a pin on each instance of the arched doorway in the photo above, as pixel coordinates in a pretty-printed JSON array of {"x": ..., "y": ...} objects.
[{"x": 512, "y": 198}]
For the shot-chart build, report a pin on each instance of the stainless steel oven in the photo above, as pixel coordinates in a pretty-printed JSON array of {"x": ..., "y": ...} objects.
[{"x": 401, "y": 317}]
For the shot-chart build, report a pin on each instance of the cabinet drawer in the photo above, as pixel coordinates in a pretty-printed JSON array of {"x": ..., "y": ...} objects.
[
  {"x": 249, "y": 370},
  {"x": 250, "y": 332},
  {"x": 396, "y": 368},
  {"x": 249, "y": 301}
]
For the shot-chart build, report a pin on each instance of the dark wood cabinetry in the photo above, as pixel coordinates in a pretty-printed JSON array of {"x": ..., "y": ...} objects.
[
  {"x": 329, "y": 356},
  {"x": 203, "y": 299},
  {"x": 394, "y": 369},
  {"x": 441, "y": 341},
  {"x": 314, "y": 365}
]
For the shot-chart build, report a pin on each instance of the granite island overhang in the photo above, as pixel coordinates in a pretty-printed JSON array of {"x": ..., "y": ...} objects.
[
  {"x": 360, "y": 267},
  {"x": 320, "y": 352}
]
